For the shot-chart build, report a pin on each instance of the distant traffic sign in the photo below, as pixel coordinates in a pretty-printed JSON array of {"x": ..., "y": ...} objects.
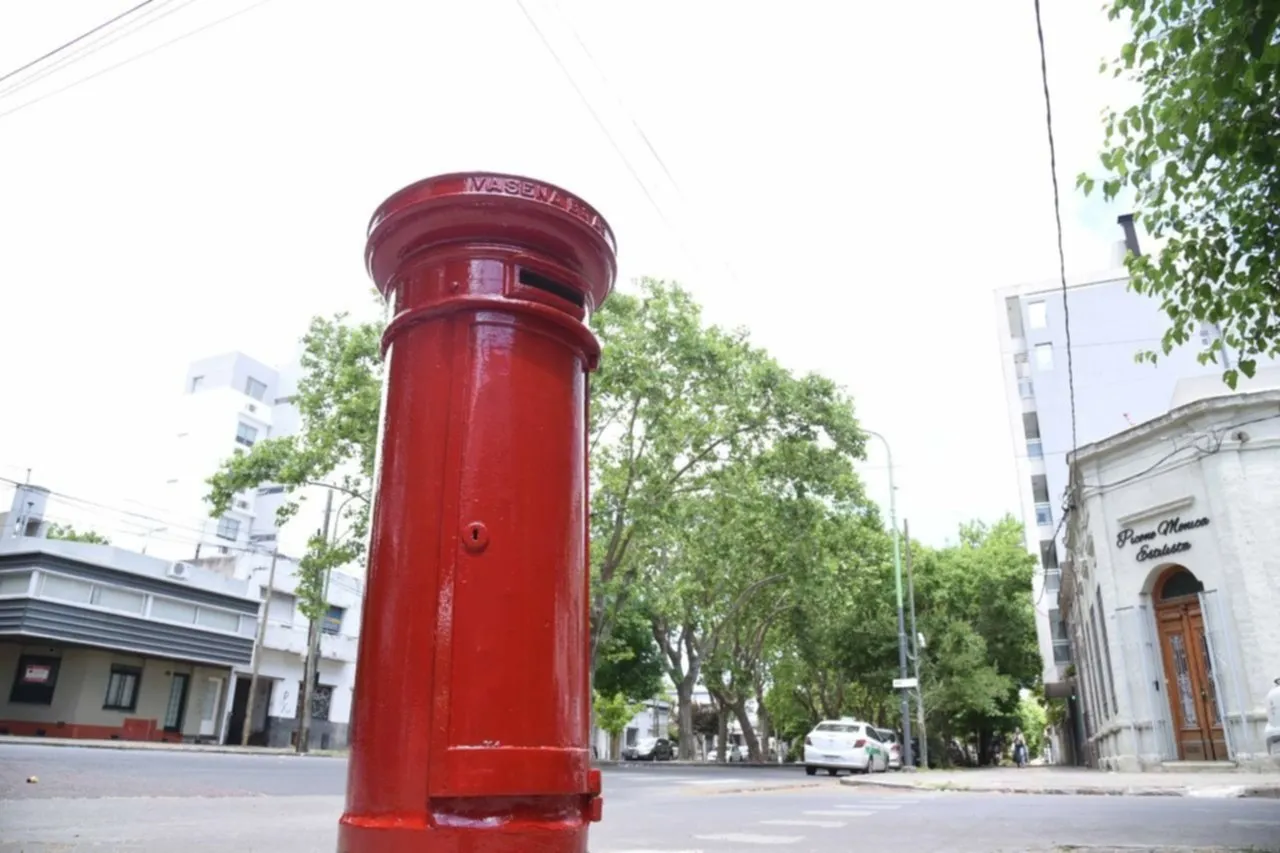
[{"x": 905, "y": 683}]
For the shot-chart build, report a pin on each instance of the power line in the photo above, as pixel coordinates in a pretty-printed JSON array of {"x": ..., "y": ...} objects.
[
  {"x": 136, "y": 57},
  {"x": 88, "y": 49},
  {"x": 75, "y": 40},
  {"x": 1057, "y": 215},
  {"x": 626, "y": 161}
]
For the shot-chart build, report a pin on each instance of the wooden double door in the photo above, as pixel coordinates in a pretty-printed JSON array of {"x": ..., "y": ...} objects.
[{"x": 1188, "y": 668}]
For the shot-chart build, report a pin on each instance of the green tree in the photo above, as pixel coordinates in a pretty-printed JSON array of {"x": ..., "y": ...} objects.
[
  {"x": 338, "y": 397},
  {"x": 975, "y": 608},
  {"x": 612, "y": 715},
  {"x": 1032, "y": 720},
  {"x": 673, "y": 402},
  {"x": 629, "y": 663},
  {"x": 1200, "y": 152},
  {"x": 68, "y": 533}
]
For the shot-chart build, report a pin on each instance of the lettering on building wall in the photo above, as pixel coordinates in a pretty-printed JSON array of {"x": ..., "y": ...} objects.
[
  {"x": 1168, "y": 527},
  {"x": 535, "y": 191}
]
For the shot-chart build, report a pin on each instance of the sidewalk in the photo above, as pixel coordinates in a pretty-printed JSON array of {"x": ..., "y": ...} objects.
[
  {"x": 156, "y": 746},
  {"x": 1073, "y": 780}
]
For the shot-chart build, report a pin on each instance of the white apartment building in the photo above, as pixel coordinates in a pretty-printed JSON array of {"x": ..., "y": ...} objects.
[
  {"x": 1109, "y": 325},
  {"x": 228, "y": 403}
]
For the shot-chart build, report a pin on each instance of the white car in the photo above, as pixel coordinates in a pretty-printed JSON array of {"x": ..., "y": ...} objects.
[
  {"x": 892, "y": 747},
  {"x": 836, "y": 745}
]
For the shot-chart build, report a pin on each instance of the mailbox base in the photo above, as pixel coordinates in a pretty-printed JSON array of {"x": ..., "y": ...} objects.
[{"x": 551, "y": 825}]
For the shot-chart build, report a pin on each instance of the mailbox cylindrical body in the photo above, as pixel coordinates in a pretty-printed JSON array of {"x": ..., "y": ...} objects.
[{"x": 471, "y": 719}]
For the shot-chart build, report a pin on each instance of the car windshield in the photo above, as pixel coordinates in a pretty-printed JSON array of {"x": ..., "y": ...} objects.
[
  {"x": 647, "y": 743},
  {"x": 839, "y": 728}
]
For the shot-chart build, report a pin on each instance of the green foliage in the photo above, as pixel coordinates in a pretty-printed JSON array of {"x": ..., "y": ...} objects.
[
  {"x": 1201, "y": 153},
  {"x": 614, "y": 712},
  {"x": 675, "y": 401},
  {"x": 67, "y": 533},
  {"x": 975, "y": 610},
  {"x": 338, "y": 398},
  {"x": 629, "y": 664},
  {"x": 1032, "y": 720}
]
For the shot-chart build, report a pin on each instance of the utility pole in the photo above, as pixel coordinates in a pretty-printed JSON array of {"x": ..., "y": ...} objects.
[
  {"x": 915, "y": 653},
  {"x": 902, "y": 622},
  {"x": 257, "y": 650},
  {"x": 313, "y": 650}
]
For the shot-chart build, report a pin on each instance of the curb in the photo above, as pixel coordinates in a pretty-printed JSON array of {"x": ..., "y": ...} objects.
[
  {"x": 1218, "y": 792},
  {"x": 147, "y": 746}
]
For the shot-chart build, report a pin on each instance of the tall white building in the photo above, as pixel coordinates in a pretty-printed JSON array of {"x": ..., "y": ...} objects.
[
  {"x": 1109, "y": 325},
  {"x": 228, "y": 403}
]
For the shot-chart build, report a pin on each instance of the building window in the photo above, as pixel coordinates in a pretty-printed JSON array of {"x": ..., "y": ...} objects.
[
  {"x": 1026, "y": 389},
  {"x": 246, "y": 434},
  {"x": 15, "y": 583},
  {"x": 255, "y": 389},
  {"x": 1030, "y": 425},
  {"x": 1035, "y": 449},
  {"x": 280, "y": 608},
  {"x": 122, "y": 689},
  {"x": 1052, "y": 580},
  {"x": 1101, "y": 652},
  {"x": 1044, "y": 356},
  {"x": 271, "y": 490},
  {"x": 1044, "y": 515},
  {"x": 1037, "y": 315},
  {"x": 332, "y": 623},
  {"x": 196, "y": 382},
  {"x": 172, "y": 610},
  {"x": 124, "y": 600},
  {"x": 1061, "y": 639},
  {"x": 1106, "y": 647},
  {"x": 35, "y": 680},
  {"x": 1048, "y": 553},
  {"x": 66, "y": 589},
  {"x": 228, "y": 528}
]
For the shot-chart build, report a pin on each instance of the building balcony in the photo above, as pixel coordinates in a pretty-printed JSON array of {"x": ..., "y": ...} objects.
[{"x": 292, "y": 639}]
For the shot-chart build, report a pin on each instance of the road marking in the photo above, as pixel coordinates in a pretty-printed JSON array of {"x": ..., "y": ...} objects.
[
  {"x": 709, "y": 781},
  {"x": 838, "y": 813},
  {"x": 877, "y": 806},
  {"x": 750, "y": 838},
  {"x": 821, "y": 824}
]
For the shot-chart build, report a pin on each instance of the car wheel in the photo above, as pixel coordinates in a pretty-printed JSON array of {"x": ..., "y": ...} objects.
[
  {"x": 831, "y": 771},
  {"x": 810, "y": 771}
]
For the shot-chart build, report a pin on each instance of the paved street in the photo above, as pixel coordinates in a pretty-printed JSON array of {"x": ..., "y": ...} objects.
[{"x": 148, "y": 802}]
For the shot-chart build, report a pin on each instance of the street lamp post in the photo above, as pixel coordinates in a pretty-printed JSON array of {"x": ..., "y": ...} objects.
[{"x": 908, "y": 758}]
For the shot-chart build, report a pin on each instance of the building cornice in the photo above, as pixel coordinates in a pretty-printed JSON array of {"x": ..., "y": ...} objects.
[{"x": 1172, "y": 420}]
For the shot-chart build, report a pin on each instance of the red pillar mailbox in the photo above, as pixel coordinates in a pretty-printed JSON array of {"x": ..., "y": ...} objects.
[{"x": 471, "y": 723}]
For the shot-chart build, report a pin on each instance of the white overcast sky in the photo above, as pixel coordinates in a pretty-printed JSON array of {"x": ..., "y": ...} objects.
[{"x": 851, "y": 182}]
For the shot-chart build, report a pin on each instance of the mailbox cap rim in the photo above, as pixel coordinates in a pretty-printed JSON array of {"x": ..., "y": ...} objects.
[{"x": 482, "y": 199}]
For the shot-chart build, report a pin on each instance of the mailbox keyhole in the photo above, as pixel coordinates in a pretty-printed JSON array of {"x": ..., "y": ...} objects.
[{"x": 475, "y": 537}]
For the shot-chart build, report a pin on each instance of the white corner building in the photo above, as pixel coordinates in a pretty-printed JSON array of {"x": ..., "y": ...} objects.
[{"x": 1171, "y": 586}]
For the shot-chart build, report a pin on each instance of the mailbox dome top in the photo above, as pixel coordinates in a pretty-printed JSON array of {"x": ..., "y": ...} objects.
[{"x": 489, "y": 207}]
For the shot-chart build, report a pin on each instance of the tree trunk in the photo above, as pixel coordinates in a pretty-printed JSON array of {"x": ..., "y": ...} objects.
[
  {"x": 722, "y": 735},
  {"x": 748, "y": 731},
  {"x": 684, "y": 711},
  {"x": 765, "y": 726},
  {"x": 615, "y": 746}
]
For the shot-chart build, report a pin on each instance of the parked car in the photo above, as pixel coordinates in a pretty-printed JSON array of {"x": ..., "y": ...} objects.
[
  {"x": 836, "y": 745},
  {"x": 891, "y": 744},
  {"x": 649, "y": 749}
]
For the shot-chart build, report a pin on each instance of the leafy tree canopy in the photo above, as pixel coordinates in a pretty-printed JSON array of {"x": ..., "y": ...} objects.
[
  {"x": 68, "y": 533},
  {"x": 1201, "y": 153}
]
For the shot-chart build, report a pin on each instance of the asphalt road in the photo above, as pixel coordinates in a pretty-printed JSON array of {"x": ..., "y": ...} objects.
[{"x": 148, "y": 802}]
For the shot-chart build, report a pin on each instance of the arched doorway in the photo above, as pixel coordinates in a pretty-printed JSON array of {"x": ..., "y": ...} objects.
[{"x": 1188, "y": 666}]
